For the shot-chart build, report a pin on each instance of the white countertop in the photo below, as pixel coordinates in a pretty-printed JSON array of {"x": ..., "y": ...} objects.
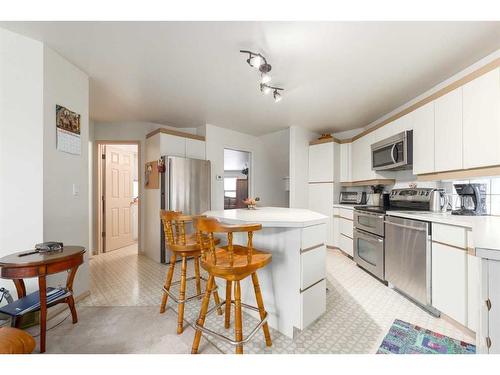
[
  {"x": 271, "y": 217},
  {"x": 485, "y": 229},
  {"x": 346, "y": 206}
]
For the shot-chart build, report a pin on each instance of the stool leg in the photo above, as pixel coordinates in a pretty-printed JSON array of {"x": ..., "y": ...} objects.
[
  {"x": 168, "y": 282},
  {"x": 227, "y": 318},
  {"x": 238, "y": 330},
  {"x": 197, "y": 274},
  {"x": 203, "y": 313},
  {"x": 262, "y": 310},
  {"x": 182, "y": 296},
  {"x": 217, "y": 302}
]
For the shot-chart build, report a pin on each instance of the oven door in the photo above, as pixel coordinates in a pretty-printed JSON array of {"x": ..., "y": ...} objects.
[
  {"x": 369, "y": 222},
  {"x": 369, "y": 252}
]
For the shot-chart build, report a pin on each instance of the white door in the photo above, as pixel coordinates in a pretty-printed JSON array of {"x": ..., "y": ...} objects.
[
  {"x": 481, "y": 120},
  {"x": 448, "y": 131},
  {"x": 423, "y": 139},
  {"x": 118, "y": 198}
]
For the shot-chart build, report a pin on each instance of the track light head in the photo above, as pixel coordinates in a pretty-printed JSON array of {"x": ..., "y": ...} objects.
[
  {"x": 265, "y": 88},
  {"x": 265, "y": 78},
  {"x": 277, "y": 96}
]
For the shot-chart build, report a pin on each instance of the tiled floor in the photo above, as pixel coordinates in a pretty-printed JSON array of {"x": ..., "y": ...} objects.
[{"x": 360, "y": 310}]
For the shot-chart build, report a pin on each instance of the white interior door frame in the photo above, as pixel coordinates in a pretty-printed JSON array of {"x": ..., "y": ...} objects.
[{"x": 98, "y": 192}]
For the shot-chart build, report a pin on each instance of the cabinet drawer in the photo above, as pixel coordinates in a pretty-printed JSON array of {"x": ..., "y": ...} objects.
[
  {"x": 348, "y": 214},
  {"x": 449, "y": 235},
  {"x": 313, "y": 303},
  {"x": 312, "y": 266},
  {"x": 313, "y": 236},
  {"x": 345, "y": 227},
  {"x": 345, "y": 244}
]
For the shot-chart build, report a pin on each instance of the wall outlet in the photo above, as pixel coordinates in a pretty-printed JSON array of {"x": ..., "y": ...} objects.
[{"x": 76, "y": 190}]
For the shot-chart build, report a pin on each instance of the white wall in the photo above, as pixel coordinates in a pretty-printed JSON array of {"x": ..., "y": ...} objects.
[
  {"x": 128, "y": 131},
  {"x": 263, "y": 172},
  {"x": 299, "y": 165},
  {"x": 65, "y": 216},
  {"x": 21, "y": 146}
]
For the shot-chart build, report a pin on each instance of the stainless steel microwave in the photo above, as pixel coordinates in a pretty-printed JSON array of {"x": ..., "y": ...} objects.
[{"x": 393, "y": 153}]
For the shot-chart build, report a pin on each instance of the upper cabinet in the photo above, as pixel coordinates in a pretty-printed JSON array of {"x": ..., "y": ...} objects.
[
  {"x": 195, "y": 149},
  {"x": 423, "y": 139},
  {"x": 321, "y": 162},
  {"x": 448, "y": 131},
  {"x": 481, "y": 121},
  {"x": 172, "y": 145},
  {"x": 345, "y": 162}
]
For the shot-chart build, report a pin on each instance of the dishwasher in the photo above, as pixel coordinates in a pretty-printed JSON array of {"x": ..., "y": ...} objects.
[{"x": 408, "y": 258}]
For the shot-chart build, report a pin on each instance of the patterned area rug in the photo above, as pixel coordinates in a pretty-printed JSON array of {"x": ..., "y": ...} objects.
[{"x": 406, "y": 338}]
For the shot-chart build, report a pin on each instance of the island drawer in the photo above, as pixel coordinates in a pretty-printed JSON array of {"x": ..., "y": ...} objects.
[
  {"x": 313, "y": 303},
  {"x": 313, "y": 236},
  {"x": 312, "y": 266}
]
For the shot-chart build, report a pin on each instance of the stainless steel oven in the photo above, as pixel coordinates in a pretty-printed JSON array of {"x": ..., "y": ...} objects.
[
  {"x": 369, "y": 252},
  {"x": 369, "y": 222},
  {"x": 393, "y": 153}
]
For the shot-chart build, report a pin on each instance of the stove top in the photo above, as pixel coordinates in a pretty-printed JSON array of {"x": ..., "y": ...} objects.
[{"x": 383, "y": 210}]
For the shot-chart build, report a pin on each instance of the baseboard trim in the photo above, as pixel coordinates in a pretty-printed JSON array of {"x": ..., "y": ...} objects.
[{"x": 58, "y": 309}]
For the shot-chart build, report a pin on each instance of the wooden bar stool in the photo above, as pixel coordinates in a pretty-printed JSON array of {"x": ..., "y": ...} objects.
[
  {"x": 232, "y": 263},
  {"x": 182, "y": 245}
]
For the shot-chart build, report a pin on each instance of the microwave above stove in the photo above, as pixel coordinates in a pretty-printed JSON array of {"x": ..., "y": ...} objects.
[
  {"x": 352, "y": 197},
  {"x": 393, "y": 153}
]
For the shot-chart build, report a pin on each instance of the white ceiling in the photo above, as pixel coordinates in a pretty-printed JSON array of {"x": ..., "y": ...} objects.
[{"x": 337, "y": 75}]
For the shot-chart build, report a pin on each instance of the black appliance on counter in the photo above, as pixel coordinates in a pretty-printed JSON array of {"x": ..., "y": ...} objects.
[
  {"x": 352, "y": 197},
  {"x": 472, "y": 199}
]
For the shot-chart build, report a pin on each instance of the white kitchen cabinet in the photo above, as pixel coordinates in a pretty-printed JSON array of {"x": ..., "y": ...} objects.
[
  {"x": 312, "y": 266},
  {"x": 321, "y": 162},
  {"x": 481, "y": 121},
  {"x": 449, "y": 281},
  {"x": 195, "y": 149},
  {"x": 321, "y": 200},
  {"x": 488, "y": 338},
  {"x": 362, "y": 158},
  {"x": 336, "y": 227},
  {"x": 172, "y": 145},
  {"x": 346, "y": 245},
  {"x": 473, "y": 292},
  {"x": 423, "y": 139},
  {"x": 448, "y": 130},
  {"x": 345, "y": 162}
]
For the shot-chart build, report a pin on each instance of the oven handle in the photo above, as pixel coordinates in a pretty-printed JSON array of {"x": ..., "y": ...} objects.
[
  {"x": 392, "y": 153},
  {"x": 369, "y": 215},
  {"x": 360, "y": 233},
  {"x": 405, "y": 226}
]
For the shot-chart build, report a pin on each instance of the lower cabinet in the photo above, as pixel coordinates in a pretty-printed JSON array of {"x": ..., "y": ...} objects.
[
  {"x": 313, "y": 303},
  {"x": 449, "y": 281},
  {"x": 321, "y": 200},
  {"x": 346, "y": 245},
  {"x": 489, "y": 335}
]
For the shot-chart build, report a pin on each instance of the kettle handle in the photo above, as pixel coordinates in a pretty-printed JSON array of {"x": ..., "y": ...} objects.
[{"x": 446, "y": 202}]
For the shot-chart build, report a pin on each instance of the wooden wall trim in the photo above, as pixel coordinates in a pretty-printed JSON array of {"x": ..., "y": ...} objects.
[
  {"x": 327, "y": 140},
  {"x": 445, "y": 90},
  {"x": 461, "y": 174},
  {"x": 176, "y": 133},
  {"x": 386, "y": 181}
]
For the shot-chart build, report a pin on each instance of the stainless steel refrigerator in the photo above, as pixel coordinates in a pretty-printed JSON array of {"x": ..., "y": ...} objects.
[{"x": 185, "y": 186}]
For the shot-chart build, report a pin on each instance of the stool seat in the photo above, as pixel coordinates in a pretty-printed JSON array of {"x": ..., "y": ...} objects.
[
  {"x": 15, "y": 341},
  {"x": 239, "y": 267}
]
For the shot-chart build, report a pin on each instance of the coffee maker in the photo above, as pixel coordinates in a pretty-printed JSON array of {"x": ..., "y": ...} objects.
[{"x": 472, "y": 199}]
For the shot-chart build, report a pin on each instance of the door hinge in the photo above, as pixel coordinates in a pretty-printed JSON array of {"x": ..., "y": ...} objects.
[
  {"x": 488, "y": 342},
  {"x": 488, "y": 304},
  {"x": 104, "y": 234},
  {"x": 104, "y": 156}
]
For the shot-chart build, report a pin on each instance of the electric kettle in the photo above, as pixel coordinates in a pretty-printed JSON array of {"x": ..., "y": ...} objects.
[{"x": 438, "y": 201}]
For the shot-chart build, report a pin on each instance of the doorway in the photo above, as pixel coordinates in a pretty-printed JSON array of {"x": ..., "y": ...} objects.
[
  {"x": 118, "y": 190},
  {"x": 236, "y": 178}
]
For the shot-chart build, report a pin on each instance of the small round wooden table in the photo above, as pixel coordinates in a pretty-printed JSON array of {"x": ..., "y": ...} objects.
[{"x": 17, "y": 267}]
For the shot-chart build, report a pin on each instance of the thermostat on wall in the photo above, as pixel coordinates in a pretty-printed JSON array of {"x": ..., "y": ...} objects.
[{"x": 219, "y": 177}]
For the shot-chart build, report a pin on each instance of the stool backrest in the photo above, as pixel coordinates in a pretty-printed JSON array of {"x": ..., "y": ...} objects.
[
  {"x": 207, "y": 226},
  {"x": 174, "y": 226}
]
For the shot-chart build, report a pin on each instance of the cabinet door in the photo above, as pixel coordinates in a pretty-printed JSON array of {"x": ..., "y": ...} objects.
[
  {"x": 473, "y": 292},
  {"x": 481, "y": 121},
  {"x": 321, "y": 162},
  {"x": 449, "y": 281},
  {"x": 448, "y": 131},
  {"x": 345, "y": 162},
  {"x": 321, "y": 200},
  {"x": 494, "y": 313},
  {"x": 423, "y": 139},
  {"x": 195, "y": 149},
  {"x": 172, "y": 145}
]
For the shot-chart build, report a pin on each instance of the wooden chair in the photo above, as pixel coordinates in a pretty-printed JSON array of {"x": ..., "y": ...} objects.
[
  {"x": 232, "y": 263},
  {"x": 182, "y": 245}
]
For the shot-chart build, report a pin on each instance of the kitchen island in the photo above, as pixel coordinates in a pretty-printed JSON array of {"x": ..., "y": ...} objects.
[{"x": 294, "y": 283}]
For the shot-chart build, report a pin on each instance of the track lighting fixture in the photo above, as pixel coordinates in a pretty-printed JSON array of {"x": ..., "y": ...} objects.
[{"x": 256, "y": 60}]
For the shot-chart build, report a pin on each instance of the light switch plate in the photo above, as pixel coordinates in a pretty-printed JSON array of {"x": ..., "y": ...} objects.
[{"x": 76, "y": 190}]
